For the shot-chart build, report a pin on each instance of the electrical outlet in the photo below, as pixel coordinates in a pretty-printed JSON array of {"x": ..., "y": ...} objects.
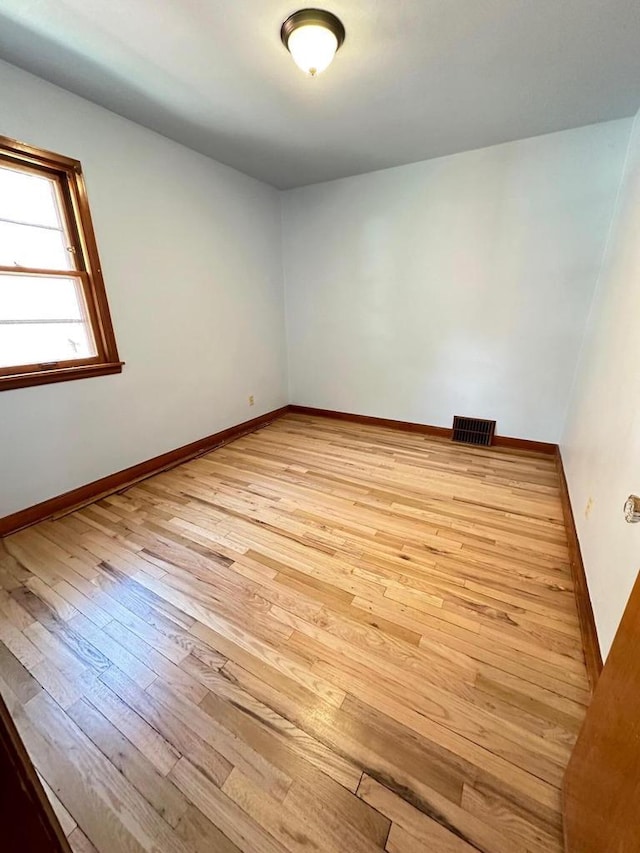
[
  {"x": 588, "y": 508},
  {"x": 251, "y": 400}
]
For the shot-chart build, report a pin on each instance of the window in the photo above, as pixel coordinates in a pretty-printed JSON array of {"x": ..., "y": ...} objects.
[{"x": 54, "y": 317}]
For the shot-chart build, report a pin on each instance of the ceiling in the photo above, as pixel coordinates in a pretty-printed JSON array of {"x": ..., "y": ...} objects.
[{"x": 415, "y": 78}]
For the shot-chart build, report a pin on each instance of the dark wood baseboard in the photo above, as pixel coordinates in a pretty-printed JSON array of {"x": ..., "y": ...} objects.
[
  {"x": 83, "y": 495},
  {"x": 426, "y": 429},
  {"x": 528, "y": 444},
  {"x": 408, "y": 426},
  {"x": 115, "y": 482},
  {"x": 590, "y": 643}
]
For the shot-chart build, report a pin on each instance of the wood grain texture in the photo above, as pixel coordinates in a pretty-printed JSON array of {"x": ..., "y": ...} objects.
[
  {"x": 113, "y": 482},
  {"x": 426, "y": 429},
  {"x": 602, "y": 784},
  {"x": 325, "y": 636},
  {"x": 590, "y": 642}
]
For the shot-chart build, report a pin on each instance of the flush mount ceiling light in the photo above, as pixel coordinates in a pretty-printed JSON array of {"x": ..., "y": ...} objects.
[{"x": 312, "y": 37}]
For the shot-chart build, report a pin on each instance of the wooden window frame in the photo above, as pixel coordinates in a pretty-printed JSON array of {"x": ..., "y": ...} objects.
[{"x": 74, "y": 206}]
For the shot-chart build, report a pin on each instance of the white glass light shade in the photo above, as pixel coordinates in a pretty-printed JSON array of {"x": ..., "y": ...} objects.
[{"x": 312, "y": 47}]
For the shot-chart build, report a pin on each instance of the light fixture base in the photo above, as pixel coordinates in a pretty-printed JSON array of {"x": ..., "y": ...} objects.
[{"x": 319, "y": 17}]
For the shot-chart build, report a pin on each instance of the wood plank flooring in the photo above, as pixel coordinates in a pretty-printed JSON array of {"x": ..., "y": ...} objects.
[{"x": 321, "y": 637}]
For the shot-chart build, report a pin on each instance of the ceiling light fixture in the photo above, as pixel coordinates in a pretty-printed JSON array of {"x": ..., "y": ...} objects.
[{"x": 312, "y": 37}]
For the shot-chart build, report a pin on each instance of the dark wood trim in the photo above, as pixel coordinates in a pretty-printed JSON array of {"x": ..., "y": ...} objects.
[
  {"x": 37, "y": 157},
  {"x": 115, "y": 482},
  {"x": 74, "y": 205},
  {"x": 58, "y": 374},
  {"x": 97, "y": 294},
  {"x": 426, "y": 429},
  {"x": 590, "y": 643},
  {"x": 529, "y": 444},
  {"x": 28, "y": 820},
  {"x": 407, "y": 426}
]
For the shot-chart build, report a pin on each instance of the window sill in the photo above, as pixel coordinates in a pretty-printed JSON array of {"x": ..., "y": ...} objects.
[{"x": 62, "y": 374}]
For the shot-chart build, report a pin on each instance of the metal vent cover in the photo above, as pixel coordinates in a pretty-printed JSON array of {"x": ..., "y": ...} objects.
[{"x": 473, "y": 430}]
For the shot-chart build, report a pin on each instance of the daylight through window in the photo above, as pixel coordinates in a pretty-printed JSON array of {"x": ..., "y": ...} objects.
[{"x": 54, "y": 318}]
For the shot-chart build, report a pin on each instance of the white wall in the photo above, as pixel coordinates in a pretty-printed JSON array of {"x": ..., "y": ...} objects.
[
  {"x": 454, "y": 286},
  {"x": 458, "y": 285},
  {"x": 191, "y": 253},
  {"x": 601, "y": 443}
]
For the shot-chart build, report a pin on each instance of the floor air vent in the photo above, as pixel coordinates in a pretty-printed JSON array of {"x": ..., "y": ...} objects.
[{"x": 473, "y": 430}]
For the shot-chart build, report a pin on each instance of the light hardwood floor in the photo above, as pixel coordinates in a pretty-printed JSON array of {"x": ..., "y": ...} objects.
[{"x": 322, "y": 636}]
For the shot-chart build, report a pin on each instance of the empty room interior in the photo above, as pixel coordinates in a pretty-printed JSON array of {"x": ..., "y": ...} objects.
[{"x": 319, "y": 432}]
